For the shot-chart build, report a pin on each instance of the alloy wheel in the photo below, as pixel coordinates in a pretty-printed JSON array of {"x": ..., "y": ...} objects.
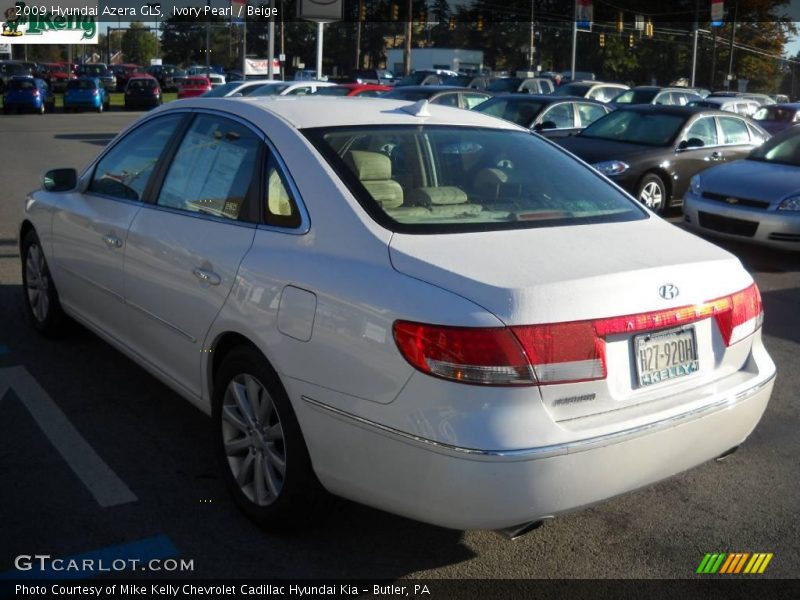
[
  {"x": 37, "y": 283},
  {"x": 651, "y": 195},
  {"x": 253, "y": 439}
]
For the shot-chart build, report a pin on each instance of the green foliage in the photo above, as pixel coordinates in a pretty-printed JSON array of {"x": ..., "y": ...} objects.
[{"x": 138, "y": 44}]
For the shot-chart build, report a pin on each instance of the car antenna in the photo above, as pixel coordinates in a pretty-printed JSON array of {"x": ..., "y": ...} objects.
[{"x": 418, "y": 109}]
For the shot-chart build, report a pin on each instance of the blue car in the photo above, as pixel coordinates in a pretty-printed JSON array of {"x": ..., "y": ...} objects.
[
  {"x": 86, "y": 92},
  {"x": 28, "y": 93}
]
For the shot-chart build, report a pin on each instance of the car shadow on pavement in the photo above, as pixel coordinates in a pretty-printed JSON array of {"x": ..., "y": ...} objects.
[
  {"x": 781, "y": 310},
  {"x": 96, "y": 139},
  {"x": 161, "y": 447},
  {"x": 761, "y": 258}
]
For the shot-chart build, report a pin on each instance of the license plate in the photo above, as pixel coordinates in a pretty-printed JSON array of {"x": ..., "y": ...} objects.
[{"x": 665, "y": 355}]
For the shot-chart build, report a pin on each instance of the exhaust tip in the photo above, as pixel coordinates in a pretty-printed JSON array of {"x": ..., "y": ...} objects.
[
  {"x": 726, "y": 454},
  {"x": 517, "y": 531}
]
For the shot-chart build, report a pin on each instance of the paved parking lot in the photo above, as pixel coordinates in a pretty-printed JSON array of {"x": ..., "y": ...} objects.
[{"x": 96, "y": 453}]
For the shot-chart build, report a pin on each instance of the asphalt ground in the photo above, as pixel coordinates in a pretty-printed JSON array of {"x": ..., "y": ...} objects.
[{"x": 157, "y": 447}]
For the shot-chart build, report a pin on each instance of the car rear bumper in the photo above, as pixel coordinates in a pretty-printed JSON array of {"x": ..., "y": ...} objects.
[
  {"x": 468, "y": 488},
  {"x": 23, "y": 104},
  {"x": 744, "y": 224}
]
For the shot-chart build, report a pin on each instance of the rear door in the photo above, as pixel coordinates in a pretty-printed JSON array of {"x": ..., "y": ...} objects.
[
  {"x": 185, "y": 247},
  {"x": 90, "y": 228},
  {"x": 735, "y": 137}
]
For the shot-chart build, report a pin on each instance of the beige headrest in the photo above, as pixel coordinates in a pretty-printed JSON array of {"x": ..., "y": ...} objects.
[
  {"x": 371, "y": 166},
  {"x": 428, "y": 196}
]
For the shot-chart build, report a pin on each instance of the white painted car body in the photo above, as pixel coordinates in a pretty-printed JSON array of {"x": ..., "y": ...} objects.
[{"x": 320, "y": 301}]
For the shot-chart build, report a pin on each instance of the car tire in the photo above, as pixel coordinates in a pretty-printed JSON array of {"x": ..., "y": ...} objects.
[
  {"x": 6, "y": 110},
  {"x": 100, "y": 108},
  {"x": 42, "y": 109},
  {"x": 653, "y": 193},
  {"x": 254, "y": 446},
  {"x": 42, "y": 306}
]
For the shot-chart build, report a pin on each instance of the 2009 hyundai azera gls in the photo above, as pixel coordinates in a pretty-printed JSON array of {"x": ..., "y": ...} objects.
[{"x": 423, "y": 309}]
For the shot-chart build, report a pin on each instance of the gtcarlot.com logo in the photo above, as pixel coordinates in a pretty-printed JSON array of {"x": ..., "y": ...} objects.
[
  {"x": 45, "y": 563},
  {"x": 734, "y": 563}
]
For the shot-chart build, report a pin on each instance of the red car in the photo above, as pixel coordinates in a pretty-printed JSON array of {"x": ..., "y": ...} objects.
[
  {"x": 56, "y": 75},
  {"x": 194, "y": 86},
  {"x": 354, "y": 89}
]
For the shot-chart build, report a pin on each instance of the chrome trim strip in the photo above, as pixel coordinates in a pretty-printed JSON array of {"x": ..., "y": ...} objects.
[
  {"x": 555, "y": 449},
  {"x": 158, "y": 319}
]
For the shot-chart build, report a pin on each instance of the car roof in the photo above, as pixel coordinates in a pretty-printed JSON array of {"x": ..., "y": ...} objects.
[
  {"x": 549, "y": 98},
  {"x": 436, "y": 88},
  {"x": 792, "y": 105},
  {"x": 668, "y": 109},
  {"x": 331, "y": 111}
]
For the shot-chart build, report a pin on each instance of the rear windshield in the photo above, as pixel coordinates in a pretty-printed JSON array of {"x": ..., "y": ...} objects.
[
  {"x": 573, "y": 89},
  {"x": 651, "y": 129},
  {"x": 507, "y": 84},
  {"x": 141, "y": 84},
  {"x": 428, "y": 179},
  {"x": 333, "y": 91},
  {"x": 93, "y": 70},
  {"x": 21, "y": 85},
  {"x": 80, "y": 84},
  {"x": 775, "y": 113},
  {"x": 636, "y": 97},
  {"x": 521, "y": 112},
  {"x": 222, "y": 90},
  {"x": 270, "y": 89},
  {"x": 410, "y": 95},
  {"x": 195, "y": 81}
]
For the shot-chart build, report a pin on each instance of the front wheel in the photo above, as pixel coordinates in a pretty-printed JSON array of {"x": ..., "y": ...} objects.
[
  {"x": 259, "y": 444},
  {"x": 41, "y": 299},
  {"x": 653, "y": 193}
]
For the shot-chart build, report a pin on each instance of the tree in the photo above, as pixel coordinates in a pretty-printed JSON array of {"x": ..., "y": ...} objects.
[{"x": 138, "y": 44}]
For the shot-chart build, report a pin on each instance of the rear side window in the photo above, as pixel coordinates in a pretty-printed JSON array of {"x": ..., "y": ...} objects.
[
  {"x": 428, "y": 179},
  {"x": 212, "y": 170},
  {"x": 447, "y": 100},
  {"x": 734, "y": 131},
  {"x": 125, "y": 170},
  {"x": 471, "y": 99}
]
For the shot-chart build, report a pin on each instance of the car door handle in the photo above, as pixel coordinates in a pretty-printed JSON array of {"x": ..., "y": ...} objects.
[
  {"x": 717, "y": 156},
  {"x": 112, "y": 241},
  {"x": 205, "y": 276}
]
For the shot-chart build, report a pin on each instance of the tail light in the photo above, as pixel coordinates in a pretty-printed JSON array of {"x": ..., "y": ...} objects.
[
  {"x": 35, "y": 93},
  {"x": 157, "y": 92},
  {"x": 557, "y": 352}
]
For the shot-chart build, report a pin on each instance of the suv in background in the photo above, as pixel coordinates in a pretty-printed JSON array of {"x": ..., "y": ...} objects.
[
  {"x": 376, "y": 76},
  {"x": 651, "y": 94},
  {"x": 168, "y": 76},
  {"x": 99, "y": 71},
  {"x": 14, "y": 68},
  {"x": 594, "y": 90}
]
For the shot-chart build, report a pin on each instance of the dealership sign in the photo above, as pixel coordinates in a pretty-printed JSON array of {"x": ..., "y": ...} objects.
[
  {"x": 717, "y": 12},
  {"x": 57, "y": 24},
  {"x": 260, "y": 66}
]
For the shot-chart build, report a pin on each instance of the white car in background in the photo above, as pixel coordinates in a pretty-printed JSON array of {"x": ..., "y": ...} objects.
[
  {"x": 401, "y": 304},
  {"x": 290, "y": 88}
]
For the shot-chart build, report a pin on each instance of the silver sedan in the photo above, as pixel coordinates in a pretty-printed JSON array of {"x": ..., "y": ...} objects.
[{"x": 754, "y": 200}]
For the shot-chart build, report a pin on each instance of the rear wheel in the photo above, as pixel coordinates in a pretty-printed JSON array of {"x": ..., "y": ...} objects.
[
  {"x": 41, "y": 110},
  {"x": 653, "y": 193},
  {"x": 259, "y": 444},
  {"x": 41, "y": 299},
  {"x": 100, "y": 107}
]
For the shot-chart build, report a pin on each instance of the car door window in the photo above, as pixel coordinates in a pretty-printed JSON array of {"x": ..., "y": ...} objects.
[
  {"x": 663, "y": 98},
  {"x": 447, "y": 100},
  {"x": 471, "y": 99},
  {"x": 560, "y": 114},
  {"x": 755, "y": 135},
  {"x": 299, "y": 91},
  {"x": 703, "y": 129},
  {"x": 212, "y": 170},
  {"x": 589, "y": 113},
  {"x": 734, "y": 131},
  {"x": 126, "y": 169}
]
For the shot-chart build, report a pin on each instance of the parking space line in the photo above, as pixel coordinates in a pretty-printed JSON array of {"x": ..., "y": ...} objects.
[
  {"x": 106, "y": 487},
  {"x": 103, "y": 560}
]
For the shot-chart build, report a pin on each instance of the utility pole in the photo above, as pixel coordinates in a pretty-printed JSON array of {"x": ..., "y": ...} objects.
[
  {"x": 733, "y": 36},
  {"x": 244, "y": 46},
  {"x": 283, "y": 66},
  {"x": 531, "y": 42},
  {"x": 208, "y": 39},
  {"x": 574, "y": 36},
  {"x": 694, "y": 44},
  {"x": 407, "y": 47},
  {"x": 713, "y": 58},
  {"x": 271, "y": 45},
  {"x": 358, "y": 35}
]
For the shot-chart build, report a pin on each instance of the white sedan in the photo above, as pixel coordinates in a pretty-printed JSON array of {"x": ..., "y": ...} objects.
[{"x": 423, "y": 309}]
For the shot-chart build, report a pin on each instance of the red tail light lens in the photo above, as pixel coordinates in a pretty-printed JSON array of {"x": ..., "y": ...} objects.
[
  {"x": 488, "y": 356},
  {"x": 557, "y": 352}
]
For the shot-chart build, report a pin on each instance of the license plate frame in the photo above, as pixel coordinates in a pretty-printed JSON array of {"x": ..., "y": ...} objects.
[{"x": 685, "y": 339}]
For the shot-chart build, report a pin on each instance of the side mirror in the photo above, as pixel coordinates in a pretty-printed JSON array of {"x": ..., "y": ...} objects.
[
  {"x": 691, "y": 143},
  {"x": 60, "y": 180},
  {"x": 545, "y": 125}
]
